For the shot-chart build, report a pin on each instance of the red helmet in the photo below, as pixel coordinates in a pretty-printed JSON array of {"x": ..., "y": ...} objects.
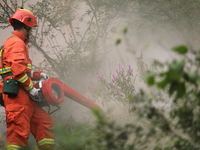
[{"x": 24, "y": 16}]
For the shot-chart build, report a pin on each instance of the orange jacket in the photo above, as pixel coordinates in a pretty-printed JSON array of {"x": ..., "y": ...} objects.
[{"x": 16, "y": 60}]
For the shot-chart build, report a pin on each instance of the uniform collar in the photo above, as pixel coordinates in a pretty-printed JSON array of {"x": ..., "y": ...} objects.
[{"x": 21, "y": 36}]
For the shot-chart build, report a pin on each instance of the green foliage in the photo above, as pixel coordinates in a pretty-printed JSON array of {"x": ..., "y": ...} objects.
[
  {"x": 180, "y": 80},
  {"x": 150, "y": 78},
  {"x": 173, "y": 78},
  {"x": 174, "y": 126},
  {"x": 182, "y": 49},
  {"x": 125, "y": 31},
  {"x": 109, "y": 135},
  {"x": 73, "y": 139},
  {"x": 118, "y": 41}
]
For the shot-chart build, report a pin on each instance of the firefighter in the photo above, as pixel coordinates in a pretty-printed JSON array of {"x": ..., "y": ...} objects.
[{"x": 23, "y": 115}]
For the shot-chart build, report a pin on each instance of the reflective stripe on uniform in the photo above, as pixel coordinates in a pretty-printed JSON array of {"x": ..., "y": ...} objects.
[
  {"x": 30, "y": 86},
  {"x": 23, "y": 79},
  {"x": 8, "y": 69},
  {"x": 13, "y": 147},
  {"x": 1, "y": 52},
  {"x": 29, "y": 66},
  {"x": 5, "y": 70},
  {"x": 46, "y": 141}
]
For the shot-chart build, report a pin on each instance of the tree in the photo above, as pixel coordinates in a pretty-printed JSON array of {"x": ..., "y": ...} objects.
[
  {"x": 180, "y": 17},
  {"x": 69, "y": 49}
]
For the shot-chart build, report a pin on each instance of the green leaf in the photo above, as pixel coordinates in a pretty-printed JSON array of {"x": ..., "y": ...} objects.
[
  {"x": 125, "y": 30},
  {"x": 181, "y": 49},
  {"x": 172, "y": 88},
  {"x": 193, "y": 76},
  {"x": 118, "y": 41},
  {"x": 162, "y": 84},
  {"x": 198, "y": 81},
  {"x": 175, "y": 71},
  {"x": 150, "y": 80},
  {"x": 181, "y": 90},
  {"x": 178, "y": 88},
  {"x": 178, "y": 65}
]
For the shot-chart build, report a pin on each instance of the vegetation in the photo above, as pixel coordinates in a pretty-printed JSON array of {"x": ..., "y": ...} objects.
[{"x": 163, "y": 117}]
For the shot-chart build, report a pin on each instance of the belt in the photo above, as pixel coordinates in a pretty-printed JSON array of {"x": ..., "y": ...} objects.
[{"x": 10, "y": 74}]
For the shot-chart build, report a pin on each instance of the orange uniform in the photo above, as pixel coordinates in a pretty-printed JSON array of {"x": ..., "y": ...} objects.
[{"x": 23, "y": 115}]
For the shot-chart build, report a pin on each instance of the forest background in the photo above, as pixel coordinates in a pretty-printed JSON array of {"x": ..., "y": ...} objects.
[{"x": 137, "y": 59}]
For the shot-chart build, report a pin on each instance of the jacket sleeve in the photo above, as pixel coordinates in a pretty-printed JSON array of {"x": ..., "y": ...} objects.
[
  {"x": 36, "y": 75},
  {"x": 19, "y": 61}
]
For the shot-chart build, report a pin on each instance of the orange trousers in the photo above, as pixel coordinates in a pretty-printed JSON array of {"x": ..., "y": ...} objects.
[{"x": 24, "y": 116}]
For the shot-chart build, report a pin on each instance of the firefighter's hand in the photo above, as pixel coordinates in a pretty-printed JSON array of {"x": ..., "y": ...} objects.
[
  {"x": 34, "y": 93},
  {"x": 44, "y": 76}
]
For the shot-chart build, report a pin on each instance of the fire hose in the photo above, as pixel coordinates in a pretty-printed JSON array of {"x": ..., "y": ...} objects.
[{"x": 53, "y": 92}]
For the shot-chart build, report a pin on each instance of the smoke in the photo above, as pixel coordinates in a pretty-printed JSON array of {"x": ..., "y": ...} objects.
[{"x": 141, "y": 42}]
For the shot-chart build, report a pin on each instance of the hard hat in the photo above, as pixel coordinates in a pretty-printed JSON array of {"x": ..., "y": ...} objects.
[{"x": 24, "y": 16}]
